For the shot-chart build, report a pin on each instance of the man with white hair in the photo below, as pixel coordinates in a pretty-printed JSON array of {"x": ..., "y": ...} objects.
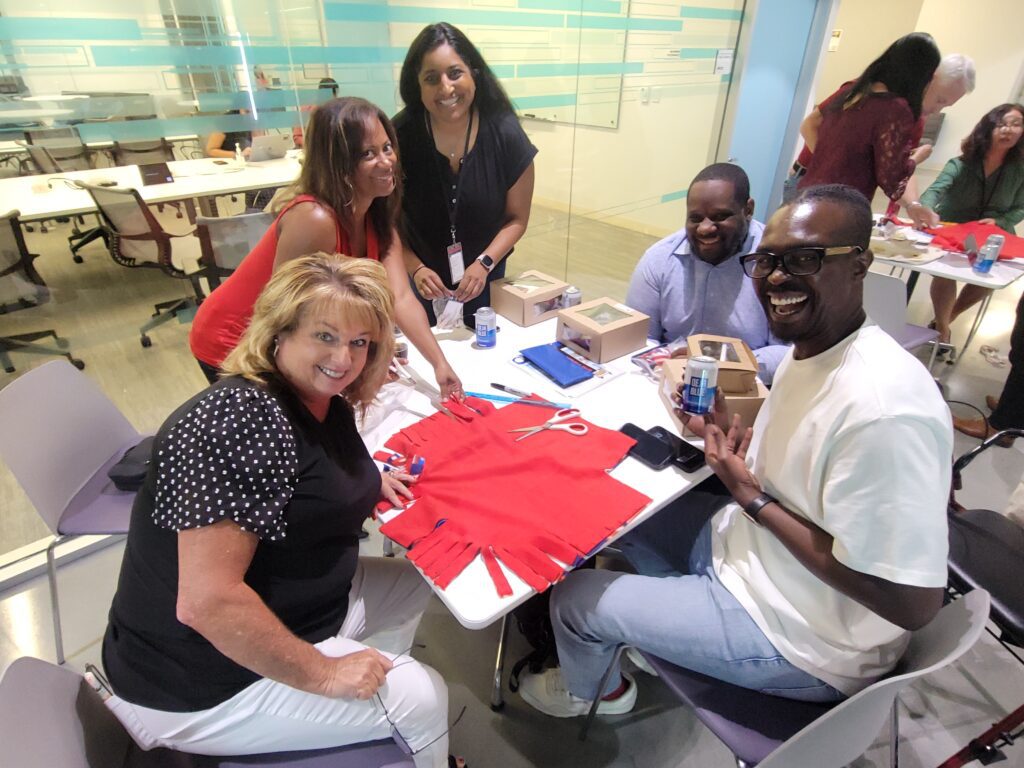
[{"x": 953, "y": 78}]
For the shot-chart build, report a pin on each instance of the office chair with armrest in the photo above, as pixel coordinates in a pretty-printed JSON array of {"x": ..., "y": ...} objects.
[
  {"x": 986, "y": 551},
  {"x": 773, "y": 732},
  {"x": 65, "y": 146},
  {"x": 885, "y": 301},
  {"x": 21, "y": 287},
  {"x": 137, "y": 239},
  {"x": 50, "y": 716},
  {"x": 226, "y": 240},
  {"x": 61, "y": 435},
  {"x": 42, "y": 161}
]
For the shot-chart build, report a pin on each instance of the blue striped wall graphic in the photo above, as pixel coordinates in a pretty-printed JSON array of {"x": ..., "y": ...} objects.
[
  {"x": 679, "y": 194},
  {"x": 130, "y": 130},
  {"x": 231, "y": 56},
  {"x": 49, "y": 28},
  {"x": 719, "y": 14},
  {"x": 544, "y": 100}
]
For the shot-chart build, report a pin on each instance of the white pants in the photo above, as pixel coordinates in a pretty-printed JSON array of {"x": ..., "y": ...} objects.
[{"x": 387, "y": 599}]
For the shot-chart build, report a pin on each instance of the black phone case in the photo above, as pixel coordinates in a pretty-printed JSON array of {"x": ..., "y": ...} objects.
[
  {"x": 654, "y": 453},
  {"x": 687, "y": 457}
]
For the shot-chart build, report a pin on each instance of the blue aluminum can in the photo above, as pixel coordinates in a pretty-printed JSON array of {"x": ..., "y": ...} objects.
[{"x": 700, "y": 385}]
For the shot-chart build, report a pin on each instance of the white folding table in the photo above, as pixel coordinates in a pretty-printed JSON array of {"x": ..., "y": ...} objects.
[{"x": 628, "y": 397}]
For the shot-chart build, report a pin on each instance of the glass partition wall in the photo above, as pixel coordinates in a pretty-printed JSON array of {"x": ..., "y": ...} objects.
[{"x": 623, "y": 98}]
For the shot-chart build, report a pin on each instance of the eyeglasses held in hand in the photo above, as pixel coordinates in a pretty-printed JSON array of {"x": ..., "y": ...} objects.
[{"x": 805, "y": 260}]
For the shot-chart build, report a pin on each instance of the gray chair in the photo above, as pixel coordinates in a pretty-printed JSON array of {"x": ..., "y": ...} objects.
[
  {"x": 885, "y": 301},
  {"x": 50, "y": 717},
  {"x": 772, "y": 732},
  {"x": 225, "y": 241},
  {"x": 141, "y": 152},
  {"x": 136, "y": 239},
  {"x": 60, "y": 437},
  {"x": 21, "y": 287}
]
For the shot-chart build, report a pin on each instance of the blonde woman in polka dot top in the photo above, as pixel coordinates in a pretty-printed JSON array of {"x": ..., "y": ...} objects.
[{"x": 244, "y": 617}]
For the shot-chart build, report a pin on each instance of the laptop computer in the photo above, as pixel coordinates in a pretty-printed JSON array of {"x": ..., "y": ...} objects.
[
  {"x": 270, "y": 147},
  {"x": 155, "y": 173}
]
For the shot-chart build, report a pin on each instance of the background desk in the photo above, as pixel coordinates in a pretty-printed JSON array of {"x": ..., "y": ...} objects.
[
  {"x": 199, "y": 179},
  {"x": 631, "y": 396}
]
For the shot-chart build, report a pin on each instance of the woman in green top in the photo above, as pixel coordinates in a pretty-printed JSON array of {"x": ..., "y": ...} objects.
[{"x": 986, "y": 184}]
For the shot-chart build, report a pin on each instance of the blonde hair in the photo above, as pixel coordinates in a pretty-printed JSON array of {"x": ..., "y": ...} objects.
[{"x": 320, "y": 284}]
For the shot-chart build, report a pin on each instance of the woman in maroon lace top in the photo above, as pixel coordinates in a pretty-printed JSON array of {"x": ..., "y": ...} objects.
[{"x": 867, "y": 127}]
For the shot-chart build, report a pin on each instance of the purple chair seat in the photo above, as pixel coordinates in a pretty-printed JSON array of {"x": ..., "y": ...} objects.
[
  {"x": 749, "y": 723},
  {"x": 99, "y": 507},
  {"x": 986, "y": 551}
]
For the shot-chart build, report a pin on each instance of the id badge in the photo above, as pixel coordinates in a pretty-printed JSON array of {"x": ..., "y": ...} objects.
[{"x": 455, "y": 265}]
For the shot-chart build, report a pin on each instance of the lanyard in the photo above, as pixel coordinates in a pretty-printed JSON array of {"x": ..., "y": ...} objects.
[
  {"x": 986, "y": 196},
  {"x": 451, "y": 204}
]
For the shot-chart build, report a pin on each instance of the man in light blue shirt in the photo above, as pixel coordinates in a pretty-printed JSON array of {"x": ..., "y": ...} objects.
[{"x": 692, "y": 282}]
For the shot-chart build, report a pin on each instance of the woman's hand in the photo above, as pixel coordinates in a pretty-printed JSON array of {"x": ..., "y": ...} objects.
[
  {"x": 448, "y": 381},
  {"x": 987, "y": 221},
  {"x": 472, "y": 282},
  {"x": 726, "y": 455},
  {"x": 921, "y": 153},
  {"x": 394, "y": 485},
  {"x": 922, "y": 216},
  {"x": 429, "y": 284},
  {"x": 356, "y": 675}
]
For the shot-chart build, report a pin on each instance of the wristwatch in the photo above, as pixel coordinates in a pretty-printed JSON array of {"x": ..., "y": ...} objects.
[
  {"x": 486, "y": 261},
  {"x": 753, "y": 508}
]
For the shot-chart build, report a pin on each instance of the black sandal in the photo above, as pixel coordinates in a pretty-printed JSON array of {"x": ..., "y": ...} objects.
[{"x": 453, "y": 762}]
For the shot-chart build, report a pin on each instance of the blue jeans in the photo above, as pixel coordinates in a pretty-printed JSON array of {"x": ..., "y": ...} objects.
[{"x": 677, "y": 610}]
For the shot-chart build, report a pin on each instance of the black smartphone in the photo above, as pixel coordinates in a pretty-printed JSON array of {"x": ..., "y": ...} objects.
[
  {"x": 685, "y": 456},
  {"x": 220, "y": 162},
  {"x": 655, "y": 453}
]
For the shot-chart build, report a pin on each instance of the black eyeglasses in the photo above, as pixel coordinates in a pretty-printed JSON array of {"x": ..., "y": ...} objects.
[
  {"x": 399, "y": 739},
  {"x": 805, "y": 260}
]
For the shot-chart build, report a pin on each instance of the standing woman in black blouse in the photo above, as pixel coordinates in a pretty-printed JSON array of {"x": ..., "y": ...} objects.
[{"x": 468, "y": 170}]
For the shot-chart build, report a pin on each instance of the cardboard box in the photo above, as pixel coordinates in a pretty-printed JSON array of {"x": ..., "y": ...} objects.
[
  {"x": 528, "y": 298},
  {"x": 746, "y": 404},
  {"x": 737, "y": 366},
  {"x": 602, "y": 329}
]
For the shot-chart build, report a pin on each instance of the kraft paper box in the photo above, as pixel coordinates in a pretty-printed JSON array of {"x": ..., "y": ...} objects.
[
  {"x": 602, "y": 329},
  {"x": 746, "y": 404},
  {"x": 528, "y": 298},
  {"x": 737, "y": 366}
]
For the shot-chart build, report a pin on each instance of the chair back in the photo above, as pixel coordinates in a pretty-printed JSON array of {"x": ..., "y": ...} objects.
[
  {"x": 50, "y": 716},
  {"x": 885, "y": 301},
  {"x": 45, "y": 136},
  {"x": 42, "y": 160},
  {"x": 225, "y": 241},
  {"x": 142, "y": 152},
  {"x": 21, "y": 287},
  {"x": 65, "y": 147},
  {"x": 59, "y": 429},
  {"x": 845, "y": 732},
  {"x": 136, "y": 237}
]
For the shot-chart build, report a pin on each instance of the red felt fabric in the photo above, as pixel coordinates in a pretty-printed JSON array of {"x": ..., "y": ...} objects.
[
  {"x": 952, "y": 237},
  {"x": 533, "y": 504}
]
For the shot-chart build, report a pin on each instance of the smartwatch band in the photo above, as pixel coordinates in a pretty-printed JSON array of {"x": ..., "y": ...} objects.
[{"x": 753, "y": 509}]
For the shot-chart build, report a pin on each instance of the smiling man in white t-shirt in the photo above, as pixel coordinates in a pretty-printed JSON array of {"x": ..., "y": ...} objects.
[{"x": 833, "y": 546}]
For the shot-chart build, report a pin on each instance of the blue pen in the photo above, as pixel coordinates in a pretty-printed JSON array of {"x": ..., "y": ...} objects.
[{"x": 503, "y": 399}]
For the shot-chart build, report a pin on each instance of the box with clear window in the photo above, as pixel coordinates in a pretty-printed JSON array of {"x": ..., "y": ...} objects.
[
  {"x": 602, "y": 329},
  {"x": 527, "y": 298}
]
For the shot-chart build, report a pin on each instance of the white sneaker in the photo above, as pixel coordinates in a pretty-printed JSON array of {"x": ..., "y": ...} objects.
[
  {"x": 638, "y": 660},
  {"x": 546, "y": 691}
]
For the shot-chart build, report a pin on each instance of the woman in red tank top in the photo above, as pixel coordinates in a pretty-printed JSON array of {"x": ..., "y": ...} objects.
[{"x": 346, "y": 200}]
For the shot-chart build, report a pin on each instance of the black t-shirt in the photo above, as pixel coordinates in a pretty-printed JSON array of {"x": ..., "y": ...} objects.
[
  {"x": 252, "y": 454},
  {"x": 500, "y": 155}
]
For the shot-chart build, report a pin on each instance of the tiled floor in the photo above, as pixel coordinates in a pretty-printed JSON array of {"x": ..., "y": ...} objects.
[{"x": 937, "y": 716}]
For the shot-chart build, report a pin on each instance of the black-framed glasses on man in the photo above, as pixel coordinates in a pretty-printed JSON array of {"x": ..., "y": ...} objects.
[{"x": 805, "y": 260}]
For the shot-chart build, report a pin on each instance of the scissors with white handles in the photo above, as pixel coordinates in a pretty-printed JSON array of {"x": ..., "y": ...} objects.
[{"x": 577, "y": 428}]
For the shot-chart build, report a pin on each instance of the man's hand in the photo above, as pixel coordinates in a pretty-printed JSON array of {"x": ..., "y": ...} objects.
[
  {"x": 448, "y": 382},
  {"x": 726, "y": 455},
  {"x": 472, "y": 282},
  {"x": 698, "y": 424},
  {"x": 356, "y": 675},
  {"x": 429, "y": 284}
]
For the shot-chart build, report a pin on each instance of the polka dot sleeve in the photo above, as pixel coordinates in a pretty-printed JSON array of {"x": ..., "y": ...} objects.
[{"x": 231, "y": 457}]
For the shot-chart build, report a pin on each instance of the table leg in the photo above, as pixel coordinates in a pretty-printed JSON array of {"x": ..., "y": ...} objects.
[
  {"x": 497, "y": 702},
  {"x": 978, "y": 317},
  {"x": 911, "y": 283},
  {"x": 208, "y": 205}
]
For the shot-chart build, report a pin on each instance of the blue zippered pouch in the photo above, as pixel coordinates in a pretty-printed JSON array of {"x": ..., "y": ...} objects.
[{"x": 561, "y": 369}]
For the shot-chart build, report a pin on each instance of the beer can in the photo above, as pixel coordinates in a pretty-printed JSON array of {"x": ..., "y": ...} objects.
[
  {"x": 571, "y": 296},
  {"x": 700, "y": 385},
  {"x": 486, "y": 327}
]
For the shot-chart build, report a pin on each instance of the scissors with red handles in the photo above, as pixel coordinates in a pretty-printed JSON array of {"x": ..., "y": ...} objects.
[{"x": 577, "y": 428}]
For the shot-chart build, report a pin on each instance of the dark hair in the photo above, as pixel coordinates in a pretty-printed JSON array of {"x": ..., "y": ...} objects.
[
  {"x": 979, "y": 141},
  {"x": 328, "y": 82},
  {"x": 857, "y": 208},
  {"x": 490, "y": 96},
  {"x": 905, "y": 68},
  {"x": 731, "y": 173},
  {"x": 334, "y": 138}
]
